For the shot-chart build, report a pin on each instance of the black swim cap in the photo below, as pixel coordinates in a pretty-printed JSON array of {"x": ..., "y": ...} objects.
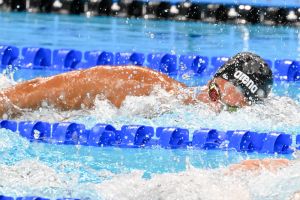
[{"x": 250, "y": 73}]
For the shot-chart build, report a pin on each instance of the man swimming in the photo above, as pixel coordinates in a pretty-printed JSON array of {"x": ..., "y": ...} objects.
[{"x": 243, "y": 80}]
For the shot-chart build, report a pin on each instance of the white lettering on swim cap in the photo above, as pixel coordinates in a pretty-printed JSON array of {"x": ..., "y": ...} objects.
[{"x": 246, "y": 81}]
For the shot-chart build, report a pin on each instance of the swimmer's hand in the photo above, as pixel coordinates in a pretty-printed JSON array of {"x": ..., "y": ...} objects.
[
  {"x": 256, "y": 165},
  {"x": 7, "y": 108}
]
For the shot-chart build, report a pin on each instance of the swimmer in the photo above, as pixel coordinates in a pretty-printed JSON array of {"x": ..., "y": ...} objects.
[
  {"x": 257, "y": 164},
  {"x": 243, "y": 80}
]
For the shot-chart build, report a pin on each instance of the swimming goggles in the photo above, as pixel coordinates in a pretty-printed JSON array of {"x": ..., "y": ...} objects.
[{"x": 215, "y": 96}]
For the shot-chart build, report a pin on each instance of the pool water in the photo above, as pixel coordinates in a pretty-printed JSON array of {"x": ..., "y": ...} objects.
[
  {"x": 111, "y": 173},
  {"x": 122, "y": 34}
]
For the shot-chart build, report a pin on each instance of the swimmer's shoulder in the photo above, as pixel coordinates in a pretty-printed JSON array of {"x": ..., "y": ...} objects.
[
  {"x": 121, "y": 68},
  {"x": 129, "y": 69},
  {"x": 137, "y": 73}
]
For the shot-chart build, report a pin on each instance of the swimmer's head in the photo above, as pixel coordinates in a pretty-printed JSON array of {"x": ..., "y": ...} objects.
[
  {"x": 243, "y": 80},
  {"x": 250, "y": 74}
]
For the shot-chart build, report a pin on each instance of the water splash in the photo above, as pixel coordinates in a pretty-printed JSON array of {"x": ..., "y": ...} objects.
[
  {"x": 99, "y": 173},
  {"x": 33, "y": 177},
  {"x": 6, "y": 78},
  {"x": 89, "y": 173},
  {"x": 278, "y": 113},
  {"x": 162, "y": 109}
]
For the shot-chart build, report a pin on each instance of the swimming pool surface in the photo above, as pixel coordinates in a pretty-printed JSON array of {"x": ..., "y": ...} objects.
[
  {"x": 121, "y": 34},
  {"x": 110, "y": 173}
]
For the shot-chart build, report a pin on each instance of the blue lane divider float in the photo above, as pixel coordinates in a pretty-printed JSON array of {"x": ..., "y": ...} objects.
[
  {"x": 9, "y": 124},
  {"x": 287, "y": 70},
  {"x": 102, "y": 135},
  {"x": 298, "y": 142},
  {"x": 95, "y": 58},
  {"x": 243, "y": 140},
  {"x": 218, "y": 61},
  {"x": 34, "y": 58},
  {"x": 68, "y": 133},
  {"x": 281, "y": 68},
  {"x": 276, "y": 143},
  {"x": 293, "y": 73},
  {"x": 39, "y": 131},
  {"x": 208, "y": 138},
  {"x": 66, "y": 58},
  {"x": 135, "y": 136},
  {"x": 194, "y": 63},
  {"x": 8, "y": 54},
  {"x": 166, "y": 63},
  {"x": 171, "y": 137},
  {"x": 69, "y": 59},
  {"x": 129, "y": 58}
]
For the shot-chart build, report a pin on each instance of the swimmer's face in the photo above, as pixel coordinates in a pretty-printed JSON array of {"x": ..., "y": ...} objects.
[{"x": 222, "y": 92}]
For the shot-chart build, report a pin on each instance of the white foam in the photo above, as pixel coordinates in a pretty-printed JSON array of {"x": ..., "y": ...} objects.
[
  {"x": 6, "y": 80},
  {"x": 162, "y": 109},
  {"x": 191, "y": 184},
  {"x": 32, "y": 177},
  {"x": 206, "y": 184}
]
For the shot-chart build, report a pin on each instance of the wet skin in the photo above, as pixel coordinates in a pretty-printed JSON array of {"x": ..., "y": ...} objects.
[
  {"x": 256, "y": 165},
  {"x": 78, "y": 89},
  {"x": 230, "y": 95}
]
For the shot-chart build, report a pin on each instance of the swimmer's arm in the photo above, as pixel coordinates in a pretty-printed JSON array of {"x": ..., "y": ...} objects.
[
  {"x": 257, "y": 164},
  {"x": 72, "y": 90},
  {"x": 65, "y": 91}
]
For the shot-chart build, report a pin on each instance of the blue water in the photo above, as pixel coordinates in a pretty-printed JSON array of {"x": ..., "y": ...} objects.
[{"x": 121, "y": 34}]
